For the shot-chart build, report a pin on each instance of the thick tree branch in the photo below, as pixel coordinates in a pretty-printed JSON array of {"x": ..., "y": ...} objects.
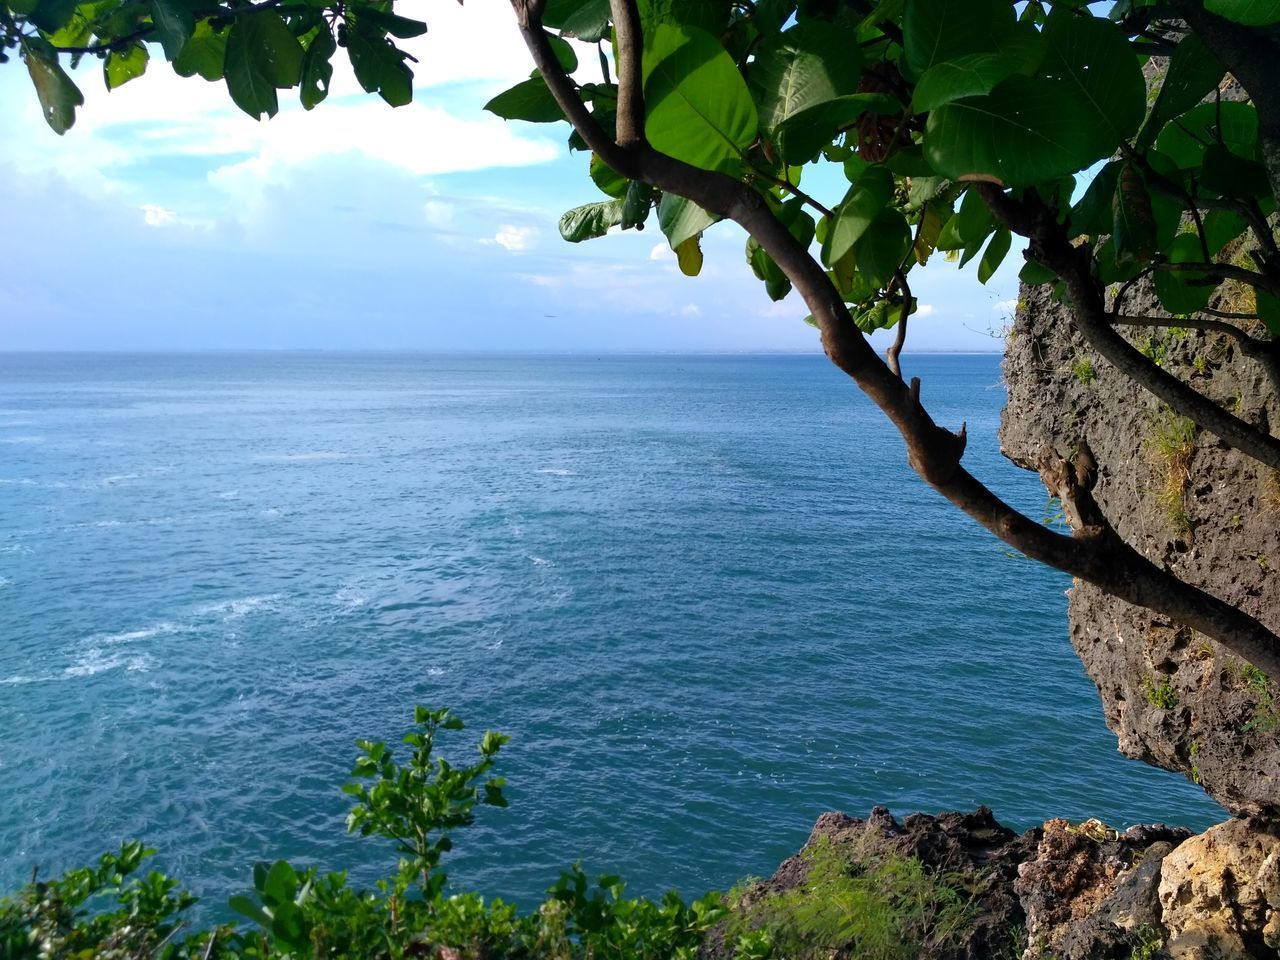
[
  {"x": 1094, "y": 552},
  {"x": 1050, "y": 246}
]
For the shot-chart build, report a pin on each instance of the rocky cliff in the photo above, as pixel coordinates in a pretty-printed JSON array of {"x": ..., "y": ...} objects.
[{"x": 1209, "y": 514}]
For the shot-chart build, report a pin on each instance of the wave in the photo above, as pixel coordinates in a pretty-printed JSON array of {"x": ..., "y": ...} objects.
[
  {"x": 90, "y": 664},
  {"x": 23, "y": 438},
  {"x": 118, "y": 478},
  {"x": 161, "y": 629},
  {"x": 556, "y": 472},
  {"x": 5, "y": 582},
  {"x": 539, "y": 561}
]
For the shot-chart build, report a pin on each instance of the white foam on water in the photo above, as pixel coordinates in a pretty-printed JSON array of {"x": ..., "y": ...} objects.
[
  {"x": 229, "y": 495},
  {"x": 118, "y": 478},
  {"x": 435, "y": 672},
  {"x": 270, "y": 512},
  {"x": 556, "y": 472},
  {"x": 18, "y": 482},
  {"x": 161, "y": 629},
  {"x": 94, "y": 661},
  {"x": 350, "y": 598},
  {"x": 23, "y": 438},
  {"x": 539, "y": 561},
  {"x": 5, "y": 582},
  {"x": 106, "y": 523},
  {"x": 240, "y": 607}
]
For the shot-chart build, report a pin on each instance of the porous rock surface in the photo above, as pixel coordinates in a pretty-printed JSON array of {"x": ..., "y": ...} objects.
[{"x": 1174, "y": 698}]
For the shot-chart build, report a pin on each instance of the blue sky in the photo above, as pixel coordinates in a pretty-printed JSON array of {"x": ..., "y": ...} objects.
[{"x": 166, "y": 219}]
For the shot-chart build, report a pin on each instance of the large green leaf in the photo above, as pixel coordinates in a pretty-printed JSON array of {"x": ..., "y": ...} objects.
[
  {"x": 121, "y": 66},
  {"x": 968, "y": 226},
  {"x": 1253, "y": 13},
  {"x": 1093, "y": 213},
  {"x": 994, "y": 255},
  {"x": 699, "y": 108},
  {"x": 681, "y": 219},
  {"x": 591, "y": 220},
  {"x": 881, "y": 249},
  {"x": 1026, "y": 131},
  {"x": 776, "y": 283},
  {"x": 859, "y": 209},
  {"x": 1182, "y": 292},
  {"x": 805, "y": 66},
  {"x": 1233, "y": 124},
  {"x": 1193, "y": 74},
  {"x": 709, "y": 15},
  {"x": 804, "y": 134},
  {"x": 586, "y": 20},
  {"x": 935, "y": 31},
  {"x": 392, "y": 23},
  {"x": 379, "y": 67},
  {"x": 968, "y": 76},
  {"x": 607, "y": 179},
  {"x": 58, "y": 95},
  {"x": 1091, "y": 57},
  {"x": 317, "y": 70},
  {"x": 529, "y": 100},
  {"x": 262, "y": 54},
  {"x": 205, "y": 53},
  {"x": 174, "y": 24}
]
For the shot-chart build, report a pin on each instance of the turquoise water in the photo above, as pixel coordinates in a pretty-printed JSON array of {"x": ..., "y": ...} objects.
[{"x": 705, "y": 596}]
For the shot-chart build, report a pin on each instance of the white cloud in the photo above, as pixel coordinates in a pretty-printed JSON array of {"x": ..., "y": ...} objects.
[
  {"x": 661, "y": 251},
  {"x": 514, "y": 238},
  {"x": 1005, "y": 306},
  {"x": 541, "y": 279},
  {"x": 156, "y": 216},
  {"x": 691, "y": 310},
  {"x": 924, "y": 310}
]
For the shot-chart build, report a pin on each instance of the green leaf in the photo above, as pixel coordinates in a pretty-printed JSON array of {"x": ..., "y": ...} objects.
[
  {"x": 1186, "y": 138},
  {"x": 1183, "y": 292},
  {"x": 971, "y": 75},
  {"x": 879, "y": 316},
  {"x": 529, "y": 100},
  {"x": 317, "y": 70},
  {"x": 968, "y": 226},
  {"x": 1035, "y": 274},
  {"x": 174, "y": 25},
  {"x": 859, "y": 209},
  {"x": 590, "y": 220},
  {"x": 288, "y": 927},
  {"x": 880, "y": 251},
  {"x": 935, "y": 31},
  {"x": 1226, "y": 173},
  {"x": 205, "y": 53},
  {"x": 1026, "y": 131},
  {"x": 699, "y": 109},
  {"x": 262, "y": 54},
  {"x": 1269, "y": 311},
  {"x": 380, "y": 67},
  {"x": 281, "y": 883},
  {"x": 1221, "y": 227},
  {"x": 1192, "y": 75},
  {"x": 588, "y": 22},
  {"x": 776, "y": 283},
  {"x": 392, "y": 23},
  {"x": 681, "y": 219},
  {"x": 635, "y": 208},
  {"x": 804, "y": 134},
  {"x": 564, "y": 52},
  {"x": 1252, "y": 13},
  {"x": 52, "y": 15},
  {"x": 994, "y": 255},
  {"x": 121, "y": 66},
  {"x": 1091, "y": 57},
  {"x": 1093, "y": 213},
  {"x": 807, "y": 65},
  {"x": 689, "y": 255},
  {"x": 250, "y": 908},
  {"x": 58, "y": 95},
  {"x": 610, "y": 182}
]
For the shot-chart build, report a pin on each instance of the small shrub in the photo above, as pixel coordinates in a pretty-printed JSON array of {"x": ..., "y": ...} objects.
[{"x": 1160, "y": 695}]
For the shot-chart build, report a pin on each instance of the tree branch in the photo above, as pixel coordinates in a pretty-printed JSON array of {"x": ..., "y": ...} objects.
[
  {"x": 1049, "y": 245},
  {"x": 1094, "y": 552}
]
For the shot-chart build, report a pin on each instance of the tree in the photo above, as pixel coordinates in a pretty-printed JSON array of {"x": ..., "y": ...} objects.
[{"x": 957, "y": 123}]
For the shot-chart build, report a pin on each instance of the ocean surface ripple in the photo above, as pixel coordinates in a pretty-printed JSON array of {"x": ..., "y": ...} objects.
[{"x": 705, "y": 596}]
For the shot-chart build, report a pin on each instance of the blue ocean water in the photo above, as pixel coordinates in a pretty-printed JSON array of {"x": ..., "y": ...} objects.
[{"x": 705, "y": 596}]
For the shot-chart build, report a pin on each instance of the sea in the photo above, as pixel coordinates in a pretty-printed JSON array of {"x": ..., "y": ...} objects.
[{"x": 704, "y": 595}]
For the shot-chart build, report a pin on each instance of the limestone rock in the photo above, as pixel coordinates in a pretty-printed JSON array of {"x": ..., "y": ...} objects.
[
  {"x": 1207, "y": 513},
  {"x": 1220, "y": 893}
]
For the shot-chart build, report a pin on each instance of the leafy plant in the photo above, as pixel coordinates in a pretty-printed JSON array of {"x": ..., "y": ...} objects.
[{"x": 1160, "y": 693}]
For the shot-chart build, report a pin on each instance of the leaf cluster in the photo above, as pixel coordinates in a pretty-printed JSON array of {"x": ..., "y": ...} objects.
[
  {"x": 917, "y": 102},
  {"x": 107, "y": 912}
]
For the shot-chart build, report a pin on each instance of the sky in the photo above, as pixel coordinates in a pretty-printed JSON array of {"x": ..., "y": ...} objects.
[{"x": 166, "y": 219}]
